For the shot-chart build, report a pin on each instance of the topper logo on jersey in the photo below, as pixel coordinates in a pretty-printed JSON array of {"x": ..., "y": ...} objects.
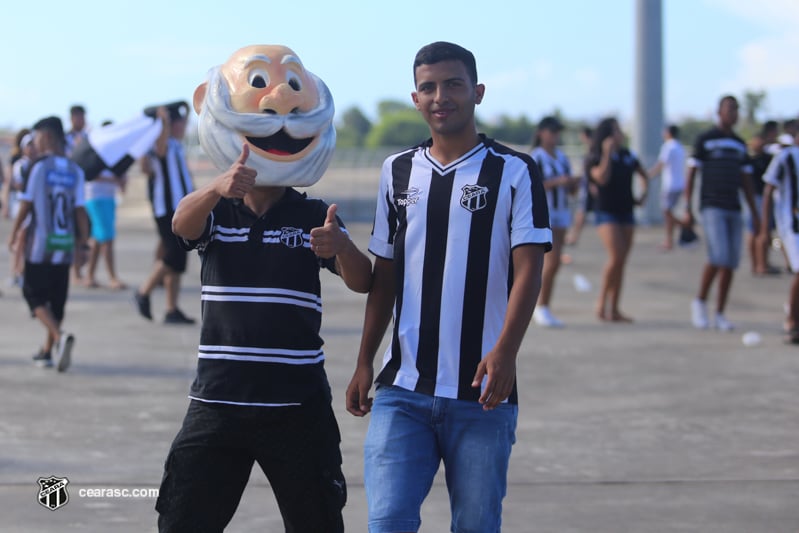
[
  {"x": 291, "y": 237},
  {"x": 409, "y": 197},
  {"x": 53, "y": 492},
  {"x": 474, "y": 197}
]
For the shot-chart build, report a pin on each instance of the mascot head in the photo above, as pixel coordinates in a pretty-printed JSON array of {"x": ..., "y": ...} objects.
[{"x": 263, "y": 96}]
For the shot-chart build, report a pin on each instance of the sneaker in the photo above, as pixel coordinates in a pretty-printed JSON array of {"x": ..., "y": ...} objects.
[
  {"x": 142, "y": 302},
  {"x": 544, "y": 317},
  {"x": 43, "y": 359},
  {"x": 699, "y": 314},
  {"x": 722, "y": 324},
  {"x": 177, "y": 317},
  {"x": 64, "y": 351}
]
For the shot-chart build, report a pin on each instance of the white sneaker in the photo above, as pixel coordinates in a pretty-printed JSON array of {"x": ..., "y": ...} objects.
[
  {"x": 64, "y": 351},
  {"x": 722, "y": 324},
  {"x": 544, "y": 317},
  {"x": 699, "y": 314}
]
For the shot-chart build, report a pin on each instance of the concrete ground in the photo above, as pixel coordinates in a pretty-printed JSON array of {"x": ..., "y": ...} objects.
[{"x": 645, "y": 427}]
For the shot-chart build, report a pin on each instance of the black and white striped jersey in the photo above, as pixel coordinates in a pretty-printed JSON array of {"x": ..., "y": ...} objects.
[
  {"x": 783, "y": 175},
  {"x": 722, "y": 158},
  {"x": 450, "y": 231},
  {"x": 54, "y": 188},
  {"x": 553, "y": 167},
  {"x": 170, "y": 179},
  {"x": 261, "y": 305}
]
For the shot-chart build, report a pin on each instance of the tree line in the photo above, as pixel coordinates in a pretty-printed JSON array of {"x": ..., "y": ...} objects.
[{"x": 399, "y": 124}]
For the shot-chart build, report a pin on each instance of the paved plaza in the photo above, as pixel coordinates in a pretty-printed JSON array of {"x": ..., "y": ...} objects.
[{"x": 651, "y": 427}]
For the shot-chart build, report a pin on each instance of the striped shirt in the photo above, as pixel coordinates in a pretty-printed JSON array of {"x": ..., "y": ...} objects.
[
  {"x": 783, "y": 174},
  {"x": 450, "y": 231},
  {"x": 723, "y": 158},
  {"x": 261, "y": 305},
  {"x": 170, "y": 179},
  {"x": 54, "y": 189},
  {"x": 554, "y": 167}
]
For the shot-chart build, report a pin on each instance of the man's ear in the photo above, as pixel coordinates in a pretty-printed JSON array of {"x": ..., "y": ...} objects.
[
  {"x": 199, "y": 97},
  {"x": 415, "y": 98},
  {"x": 479, "y": 90}
]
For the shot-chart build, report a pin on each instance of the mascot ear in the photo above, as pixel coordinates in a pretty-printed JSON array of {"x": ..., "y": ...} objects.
[{"x": 199, "y": 97}]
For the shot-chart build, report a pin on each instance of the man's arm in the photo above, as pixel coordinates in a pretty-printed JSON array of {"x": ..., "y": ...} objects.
[
  {"x": 24, "y": 209},
  {"x": 379, "y": 306},
  {"x": 193, "y": 209},
  {"x": 161, "y": 143},
  {"x": 656, "y": 168},
  {"x": 689, "y": 195},
  {"x": 500, "y": 363},
  {"x": 329, "y": 240},
  {"x": 749, "y": 194}
]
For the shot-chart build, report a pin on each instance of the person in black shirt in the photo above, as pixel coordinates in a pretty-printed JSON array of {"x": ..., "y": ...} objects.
[
  {"x": 611, "y": 167},
  {"x": 761, "y": 156},
  {"x": 726, "y": 168}
]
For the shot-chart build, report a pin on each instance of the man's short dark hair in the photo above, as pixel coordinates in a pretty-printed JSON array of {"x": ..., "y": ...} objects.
[
  {"x": 769, "y": 126},
  {"x": 53, "y": 125},
  {"x": 727, "y": 98},
  {"x": 443, "y": 51},
  {"x": 674, "y": 131},
  {"x": 76, "y": 109}
]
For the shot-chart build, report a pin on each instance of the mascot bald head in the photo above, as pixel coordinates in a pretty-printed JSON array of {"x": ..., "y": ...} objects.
[{"x": 264, "y": 96}]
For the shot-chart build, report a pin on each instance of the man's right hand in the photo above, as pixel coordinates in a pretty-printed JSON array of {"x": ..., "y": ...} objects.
[
  {"x": 358, "y": 401},
  {"x": 239, "y": 179}
]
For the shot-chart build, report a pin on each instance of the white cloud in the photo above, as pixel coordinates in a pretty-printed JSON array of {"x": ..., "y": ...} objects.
[{"x": 765, "y": 62}]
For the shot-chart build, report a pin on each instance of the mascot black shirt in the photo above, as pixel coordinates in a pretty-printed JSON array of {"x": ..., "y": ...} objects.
[{"x": 261, "y": 305}]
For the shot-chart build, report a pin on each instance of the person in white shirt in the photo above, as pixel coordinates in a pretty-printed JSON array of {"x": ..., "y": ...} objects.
[{"x": 671, "y": 167}]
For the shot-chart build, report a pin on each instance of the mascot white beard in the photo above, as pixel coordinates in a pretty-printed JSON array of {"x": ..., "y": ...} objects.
[{"x": 221, "y": 131}]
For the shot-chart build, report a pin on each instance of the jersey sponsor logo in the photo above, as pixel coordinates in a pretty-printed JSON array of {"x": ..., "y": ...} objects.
[
  {"x": 474, "y": 197},
  {"x": 409, "y": 197},
  {"x": 291, "y": 237},
  {"x": 53, "y": 492}
]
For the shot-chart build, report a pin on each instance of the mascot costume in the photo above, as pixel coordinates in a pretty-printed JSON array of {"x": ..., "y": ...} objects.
[{"x": 264, "y": 96}]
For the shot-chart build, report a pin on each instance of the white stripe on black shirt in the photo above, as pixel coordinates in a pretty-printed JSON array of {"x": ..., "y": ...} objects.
[
  {"x": 262, "y": 305},
  {"x": 450, "y": 231}
]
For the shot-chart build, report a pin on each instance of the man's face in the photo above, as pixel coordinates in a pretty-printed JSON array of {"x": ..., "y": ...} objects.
[
  {"x": 78, "y": 121},
  {"x": 728, "y": 113},
  {"x": 446, "y": 96}
]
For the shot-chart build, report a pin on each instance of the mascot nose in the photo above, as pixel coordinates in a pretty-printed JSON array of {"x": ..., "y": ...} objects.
[{"x": 281, "y": 100}]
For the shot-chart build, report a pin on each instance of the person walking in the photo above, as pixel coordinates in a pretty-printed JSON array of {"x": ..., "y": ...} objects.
[
  {"x": 671, "y": 167},
  {"x": 722, "y": 157}
]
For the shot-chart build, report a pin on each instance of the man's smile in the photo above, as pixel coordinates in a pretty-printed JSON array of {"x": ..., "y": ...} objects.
[{"x": 281, "y": 143}]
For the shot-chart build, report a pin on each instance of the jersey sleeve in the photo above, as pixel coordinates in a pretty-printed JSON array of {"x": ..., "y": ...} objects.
[
  {"x": 201, "y": 242},
  {"x": 381, "y": 243},
  {"x": 775, "y": 172},
  {"x": 529, "y": 210},
  {"x": 35, "y": 176},
  {"x": 695, "y": 161}
]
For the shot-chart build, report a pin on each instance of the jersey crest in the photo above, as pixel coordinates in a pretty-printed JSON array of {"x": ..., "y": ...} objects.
[
  {"x": 291, "y": 237},
  {"x": 474, "y": 197}
]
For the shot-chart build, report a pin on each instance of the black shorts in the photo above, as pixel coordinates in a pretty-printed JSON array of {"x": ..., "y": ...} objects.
[
  {"x": 210, "y": 461},
  {"x": 46, "y": 284},
  {"x": 174, "y": 255}
]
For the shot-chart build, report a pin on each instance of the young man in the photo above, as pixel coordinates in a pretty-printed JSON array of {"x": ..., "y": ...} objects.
[
  {"x": 170, "y": 180},
  {"x": 671, "y": 167},
  {"x": 782, "y": 192},
  {"x": 459, "y": 238},
  {"x": 725, "y": 165},
  {"x": 53, "y": 196}
]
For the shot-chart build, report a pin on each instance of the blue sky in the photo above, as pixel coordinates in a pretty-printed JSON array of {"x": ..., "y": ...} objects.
[{"x": 534, "y": 56}]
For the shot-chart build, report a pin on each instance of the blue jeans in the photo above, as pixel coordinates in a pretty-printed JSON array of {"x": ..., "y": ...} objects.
[
  {"x": 723, "y": 236},
  {"x": 622, "y": 219},
  {"x": 410, "y": 434}
]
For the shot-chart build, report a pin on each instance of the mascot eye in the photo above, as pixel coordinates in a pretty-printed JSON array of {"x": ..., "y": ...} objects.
[
  {"x": 294, "y": 81},
  {"x": 258, "y": 78}
]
